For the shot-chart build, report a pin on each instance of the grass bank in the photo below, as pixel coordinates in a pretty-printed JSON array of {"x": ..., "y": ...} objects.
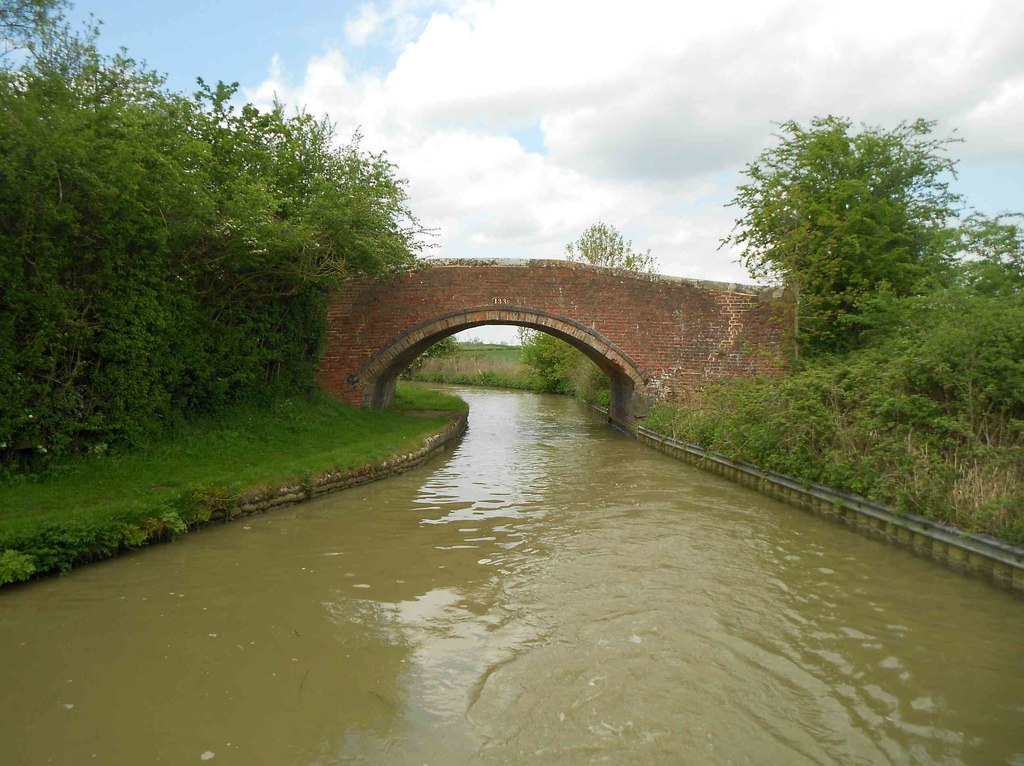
[{"x": 93, "y": 507}]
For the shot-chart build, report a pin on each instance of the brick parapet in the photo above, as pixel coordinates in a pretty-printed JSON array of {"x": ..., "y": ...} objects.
[{"x": 676, "y": 334}]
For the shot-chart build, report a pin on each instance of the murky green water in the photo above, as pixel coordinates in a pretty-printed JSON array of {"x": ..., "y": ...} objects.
[{"x": 550, "y": 593}]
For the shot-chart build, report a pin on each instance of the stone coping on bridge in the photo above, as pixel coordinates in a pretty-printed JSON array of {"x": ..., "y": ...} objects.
[
  {"x": 520, "y": 263},
  {"x": 976, "y": 554}
]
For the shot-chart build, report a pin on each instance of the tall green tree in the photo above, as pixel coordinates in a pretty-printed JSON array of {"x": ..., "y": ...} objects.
[
  {"x": 603, "y": 245},
  {"x": 835, "y": 213}
]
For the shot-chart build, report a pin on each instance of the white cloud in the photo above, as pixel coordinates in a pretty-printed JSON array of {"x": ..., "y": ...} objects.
[
  {"x": 394, "y": 23},
  {"x": 364, "y": 25},
  {"x": 997, "y": 122},
  {"x": 647, "y": 110}
]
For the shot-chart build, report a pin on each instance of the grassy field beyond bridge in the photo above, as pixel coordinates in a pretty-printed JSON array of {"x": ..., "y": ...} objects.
[{"x": 480, "y": 364}]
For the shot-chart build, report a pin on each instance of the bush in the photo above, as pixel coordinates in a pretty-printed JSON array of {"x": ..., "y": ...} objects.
[
  {"x": 563, "y": 369},
  {"x": 16, "y": 566},
  {"x": 164, "y": 255},
  {"x": 928, "y": 418}
]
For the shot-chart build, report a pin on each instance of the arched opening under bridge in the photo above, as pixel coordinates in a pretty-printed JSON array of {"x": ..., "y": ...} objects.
[{"x": 380, "y": 374}]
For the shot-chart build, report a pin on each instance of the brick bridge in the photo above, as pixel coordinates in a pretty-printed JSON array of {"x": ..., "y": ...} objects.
[{"x": 654, "y": 336}]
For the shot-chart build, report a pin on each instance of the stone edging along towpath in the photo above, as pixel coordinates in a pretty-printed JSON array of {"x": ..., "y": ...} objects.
[
  {"x": 981, "y": 555},
  {"x": 333, "y": 481}
]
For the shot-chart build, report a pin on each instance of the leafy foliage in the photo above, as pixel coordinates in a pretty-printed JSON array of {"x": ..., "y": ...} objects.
[
  {"x": 929, "y": 416},
  {"x": 21, "y": 22},
  {"x": 994, "y": 252},
  {"x": 15, "y": 566},
  {"x": 912, "y": 392},
  {"x": 563, "y": 369},
  {"x": 162, "y": 254},
  {"x": 603, "y": 245},
  {"x": 836, "y": 214},
  {"x": 553, "y": 361}
]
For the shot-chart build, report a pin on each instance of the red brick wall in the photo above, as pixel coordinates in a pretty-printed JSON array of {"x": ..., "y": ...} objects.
[{"x": 678, "y": 333}]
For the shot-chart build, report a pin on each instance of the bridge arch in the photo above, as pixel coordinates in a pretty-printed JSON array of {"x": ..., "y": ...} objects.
[
  {"x": 378, "y": 376},
  {"x": 655, "y": 336}
]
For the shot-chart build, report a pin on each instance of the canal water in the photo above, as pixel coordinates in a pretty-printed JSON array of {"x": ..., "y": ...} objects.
[{"x": 549, "y": 592}]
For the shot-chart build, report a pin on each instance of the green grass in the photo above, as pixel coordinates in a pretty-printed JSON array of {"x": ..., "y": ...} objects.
[
  {"x": 411, "y": 397},
  {"x": 92, "y": 507},
  {"x": 479, "y": 364},
  {"x": 486, "y": 378},
  {"x": 496, "y": 366}
]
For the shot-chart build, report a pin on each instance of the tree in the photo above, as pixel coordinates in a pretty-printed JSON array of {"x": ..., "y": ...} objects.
[
  {"x": 603, "y": 245},
  {"x": 160, "y": 253},
  {"x": 835, "y": 214},
  {"x": 23, "y": 21},
  {"x": 993, "y": 250},
  {"x": 563, "y": 368}
]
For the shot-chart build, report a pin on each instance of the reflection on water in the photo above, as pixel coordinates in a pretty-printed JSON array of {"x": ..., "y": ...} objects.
[{"x": 551, "y": 592}]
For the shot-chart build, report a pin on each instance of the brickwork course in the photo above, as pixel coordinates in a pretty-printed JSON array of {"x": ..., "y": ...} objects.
[{"x": 655, "y": 336}]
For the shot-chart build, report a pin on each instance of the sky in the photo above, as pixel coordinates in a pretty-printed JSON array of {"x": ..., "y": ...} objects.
[{"x": 518, "y": 123}]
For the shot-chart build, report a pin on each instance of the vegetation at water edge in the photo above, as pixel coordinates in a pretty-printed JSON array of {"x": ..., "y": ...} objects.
[
  {"x": 418, "y": 399},
  {"x": 88, "y": 507},
  {"x": 542, "y": 364}
]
